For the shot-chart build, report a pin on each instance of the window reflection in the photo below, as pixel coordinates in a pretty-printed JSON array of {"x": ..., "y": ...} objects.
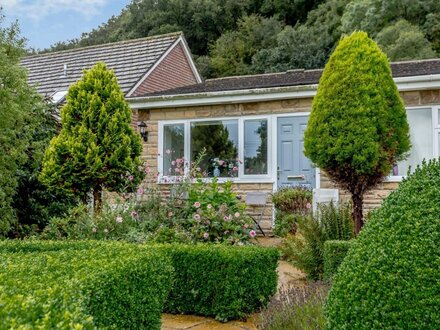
[{"x": 219, "y": 140}]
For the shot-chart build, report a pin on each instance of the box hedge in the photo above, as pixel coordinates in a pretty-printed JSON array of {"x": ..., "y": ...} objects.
[
  {"x": 82, "y": 285},
  {"x": 390, "y": 277},
  {"x": 334, "y": 253},
  {"x": 221, "y": 281}
]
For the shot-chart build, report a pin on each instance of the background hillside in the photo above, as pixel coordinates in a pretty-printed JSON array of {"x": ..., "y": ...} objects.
[{"x": 236, "y": 37}]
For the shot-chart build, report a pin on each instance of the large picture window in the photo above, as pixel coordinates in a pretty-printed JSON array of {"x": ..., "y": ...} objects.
[
  {"x": 218, "y": 141},
  {"x": 231, "y": 148}
]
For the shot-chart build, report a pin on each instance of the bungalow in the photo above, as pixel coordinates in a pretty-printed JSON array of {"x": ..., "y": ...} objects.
[
  {"x": 255, "y": 124},
  {"x": 250, "y": 126}
]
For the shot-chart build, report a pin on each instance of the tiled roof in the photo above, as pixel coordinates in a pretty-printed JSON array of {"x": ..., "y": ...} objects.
[
  {"x": 129, "y": 59},
  {"x": 293, "y": 78}
]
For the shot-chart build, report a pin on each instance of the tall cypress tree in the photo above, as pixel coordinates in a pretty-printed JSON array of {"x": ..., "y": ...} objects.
[
  {"x": 97, "y": 148},
  {"x": 358, "y": 128}
]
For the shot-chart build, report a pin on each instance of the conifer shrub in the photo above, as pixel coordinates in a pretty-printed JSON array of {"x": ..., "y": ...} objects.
[
  {"x": 390, "y": 277},
  {"x": 225, "y": 282},
  {"x": 82, "y": 285},
  {"x": 358, "y": 127},
  {"x": 97, "y": 148}
]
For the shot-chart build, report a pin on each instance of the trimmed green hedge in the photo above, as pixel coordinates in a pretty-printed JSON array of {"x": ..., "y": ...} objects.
[
  {"x": 334, "y": 253},
  {"x": 390, "y": 278},
  {"x": 68, "y": 285},
  {"x": 221, "y": 281}
]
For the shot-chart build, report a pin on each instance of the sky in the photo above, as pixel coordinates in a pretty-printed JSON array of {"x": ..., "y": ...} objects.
[{"x": 45, "y": 22}]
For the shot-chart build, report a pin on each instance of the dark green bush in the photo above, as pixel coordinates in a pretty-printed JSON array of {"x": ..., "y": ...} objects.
[
  {"x": 334, "y": 253},
  {"x": 305, "y": 249},
  {"x": 56, "y": 285},
  {"x": 221, "y": 281},
  {"x": 290, "y": 204},
  {"x": 293, "y": 200},
  {"x": 390, "y": 277}
]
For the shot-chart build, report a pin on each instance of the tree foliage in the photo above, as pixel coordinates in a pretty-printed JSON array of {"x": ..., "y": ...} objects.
[
  {"x": 404, "y": 41},
  {"x": 357, "y": 128},
  {"x": 26, "y": 126},
  {"x": 97, "y": 148},
  {"x": 230, "y": 37}
]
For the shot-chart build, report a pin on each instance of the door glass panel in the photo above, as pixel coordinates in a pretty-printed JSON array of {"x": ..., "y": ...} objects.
[{"x": 255, "y": 146}]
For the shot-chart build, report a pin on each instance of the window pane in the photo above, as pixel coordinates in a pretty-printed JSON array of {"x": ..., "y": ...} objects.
[
  {"x": 219, "y": 139},
  {"x": 173, "y": 149},
  {"x": 420, "y": 127},
  {"x": 255, "y": 146}
]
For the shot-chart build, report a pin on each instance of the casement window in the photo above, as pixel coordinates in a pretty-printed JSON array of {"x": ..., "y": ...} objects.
[
  {"x": 424, "y": 129},
  {"x": 231, "y": 147}
]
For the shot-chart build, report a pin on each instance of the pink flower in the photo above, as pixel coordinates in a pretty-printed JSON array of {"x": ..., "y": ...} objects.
[
  {"x": 94, "y": 229},
  {"x": 237, "y": 214},
  {"x": 308, "y": 205},
  {"x": 173, "y": 162},
  {"x": 197, "y": 205},
  {"x": 130, "y": 177},
  {"x": 221, "y": 162},
  {"x": 235, "y": 168},
  {"x": 118, "y": 220},
  {"x": 133, "y": 214},
  {"x": 197, "y": 216},
  {"x": 168, "y": 151},
  {"x": 140, "y": 191},
  {"x": 140, "y": 168},
  {"x": 226, "y": 218},
  {"x": 205, "y": 235},
  {"x": 147, "y": 170},
  {"x": 209, "y": 206},
  {"x": 252, "y": 233},
  {"x": 246, "y": 225}
]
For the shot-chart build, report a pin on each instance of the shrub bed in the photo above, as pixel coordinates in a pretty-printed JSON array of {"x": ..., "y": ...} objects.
[
  {"x": 221, "y": 281},
  {"x": 334, "y": 253},
  {"x": 89, "y": 285},
  {"x": 390, "y": 277}
]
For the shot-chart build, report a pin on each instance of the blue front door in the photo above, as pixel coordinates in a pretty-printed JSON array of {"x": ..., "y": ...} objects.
[{"x": 294, "y": 169}]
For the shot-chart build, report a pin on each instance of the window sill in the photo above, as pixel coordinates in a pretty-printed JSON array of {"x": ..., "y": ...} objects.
[{"x": 223, "y": 180}]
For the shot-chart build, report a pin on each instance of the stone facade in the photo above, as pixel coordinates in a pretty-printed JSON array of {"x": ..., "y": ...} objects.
[{"x": 150, "y": 151}]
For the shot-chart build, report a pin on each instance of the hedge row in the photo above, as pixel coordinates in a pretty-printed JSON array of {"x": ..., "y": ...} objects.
[
  {"x": 222, "y": 282},
  {"x": 57, "y": 285},
  {"x": 93, "y": 284},
  {"x": 334, "y": 253}
]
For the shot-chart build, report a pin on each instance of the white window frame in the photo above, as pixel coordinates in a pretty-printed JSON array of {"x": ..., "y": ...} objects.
[
  {"x": 435, "y": 127},
  {"x": 260, "y": 178}
]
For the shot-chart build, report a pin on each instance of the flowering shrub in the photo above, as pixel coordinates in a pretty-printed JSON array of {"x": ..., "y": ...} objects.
[{"x": 197, "y": 209}]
